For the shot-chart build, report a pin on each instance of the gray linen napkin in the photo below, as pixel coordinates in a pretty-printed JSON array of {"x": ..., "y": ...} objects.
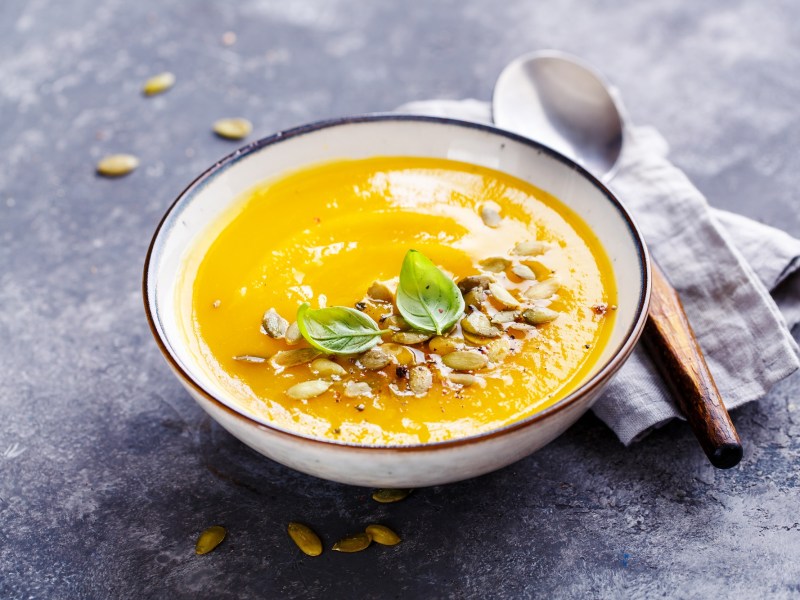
[{"x": 722, "y": 265}]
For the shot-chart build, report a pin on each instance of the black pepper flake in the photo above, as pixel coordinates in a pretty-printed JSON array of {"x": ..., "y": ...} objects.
[
  {"x": 587, "y": 346},
  {"x": 361, "y": 305},
  {"x": 401, "y": 371}
]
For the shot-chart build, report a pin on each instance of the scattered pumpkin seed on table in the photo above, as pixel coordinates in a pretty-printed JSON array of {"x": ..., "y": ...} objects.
[
  {"x": 308, "y": 541},
  {"x": 117, "y": 165},
  {"x": 386, "y": 495},
  {"x": 381, "y": 534},
  {"x": 209, "y": 539},
  {"x": 353, "y": 543},
  {"x": 233, "y": 129},
  {"x": 158, "y": 84}
]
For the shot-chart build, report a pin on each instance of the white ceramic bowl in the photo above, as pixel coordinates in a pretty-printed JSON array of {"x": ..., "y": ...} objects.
[{"x": 392, "y": 135}]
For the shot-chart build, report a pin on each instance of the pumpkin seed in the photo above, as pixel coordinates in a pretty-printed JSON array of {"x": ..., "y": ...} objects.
[
  {"x": 538, "y": 315},
  {"x": 464, "y": 379},
  {"x": 503, "y": 296},
  {"x": 381, "y": 292},
  {"x": 308, "y": 389},
  {"x": 475, "y": 281},
  {"x": 497, "y": 350},
  {"x": 523, "y": 272},
  {"x": 274, "y": 325},
  {"x": 410, "y": 337},
  {"x": 479, "y": 324},
  {"x": 377, "y": 311},
  {"x": 530, "y": 248},
  {"x": 355, "y": 389},
  {"x": 543, "y": 289},
  {"x": 465, "y": 360},
  {"x": 505, "y": 316},
  {"x": 490, "y": 213},
  {"x": 420, "y": 380},
  {"x": 474, "y": 340},
  {"x": 292, "y": 358},
  {"x": 117, "y": 165},
  {"x": 209, "y": 539},
  {"x": 305, "y": 538},
  {"x": 396, "y": 323},
  {"x": 495, "y": 264},
  {"x": 522, "y": 327},
  {"x": 353, "y": 543},
  {"x": 402, "y": 354},
  {"x": 443, "y": 345},
  {"x": 386, "y": 496},
  {"x": 250, "y": 358},
  {"x": 293, "y": 334},
  {"x": 375, "y": 358},
  {"x": 475, "y": 297},
  {"x": 381, "y": 534},
  {"x": 233, "y": 129},
  {"x": 158, "y": 84},
  {"x": 325, "y": 366}
]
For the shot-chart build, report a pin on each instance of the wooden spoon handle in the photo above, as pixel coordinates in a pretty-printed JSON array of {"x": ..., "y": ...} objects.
[{"x": 672, "y": 344}]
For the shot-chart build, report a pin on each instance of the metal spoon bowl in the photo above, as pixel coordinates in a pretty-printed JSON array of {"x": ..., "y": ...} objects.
[{"x": 563, "y": 103}]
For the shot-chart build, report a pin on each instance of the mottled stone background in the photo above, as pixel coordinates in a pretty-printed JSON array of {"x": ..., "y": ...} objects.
[{"x": 108, "y": 470}]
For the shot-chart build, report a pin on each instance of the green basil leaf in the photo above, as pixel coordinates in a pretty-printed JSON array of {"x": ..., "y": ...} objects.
[
  {"x": 337, "y": 330},
  {"x": 427, "y": 298}
]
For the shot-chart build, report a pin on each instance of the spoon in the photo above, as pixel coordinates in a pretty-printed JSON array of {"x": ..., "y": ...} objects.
[{"x": 561, "y": 102}]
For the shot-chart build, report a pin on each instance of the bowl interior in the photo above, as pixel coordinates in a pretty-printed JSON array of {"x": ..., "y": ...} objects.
[{"x": 206, "y": 205}]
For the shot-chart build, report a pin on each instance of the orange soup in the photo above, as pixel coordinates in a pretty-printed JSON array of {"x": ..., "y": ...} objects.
[{"x": 532, "y": 309}]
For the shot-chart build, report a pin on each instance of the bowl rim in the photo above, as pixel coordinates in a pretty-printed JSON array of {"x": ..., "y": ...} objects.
[{"x": 606, "y": 371}]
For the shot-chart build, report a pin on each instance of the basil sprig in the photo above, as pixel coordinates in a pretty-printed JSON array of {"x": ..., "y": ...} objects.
[
  {"x": 337, "y": 330},
  {"x": 427, "y": 298}
]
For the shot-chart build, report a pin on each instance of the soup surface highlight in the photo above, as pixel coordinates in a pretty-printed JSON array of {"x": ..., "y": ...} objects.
[{"x": 326, "y": 234}]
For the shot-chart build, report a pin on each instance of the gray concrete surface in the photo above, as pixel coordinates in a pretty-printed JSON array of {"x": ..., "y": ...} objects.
[{"x": 108, "y": 470}]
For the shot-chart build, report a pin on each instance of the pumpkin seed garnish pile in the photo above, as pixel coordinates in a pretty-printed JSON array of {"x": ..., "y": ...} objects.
[
  {"x": 209, "y": 539},
  {"x": 421, "y": 330}
]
